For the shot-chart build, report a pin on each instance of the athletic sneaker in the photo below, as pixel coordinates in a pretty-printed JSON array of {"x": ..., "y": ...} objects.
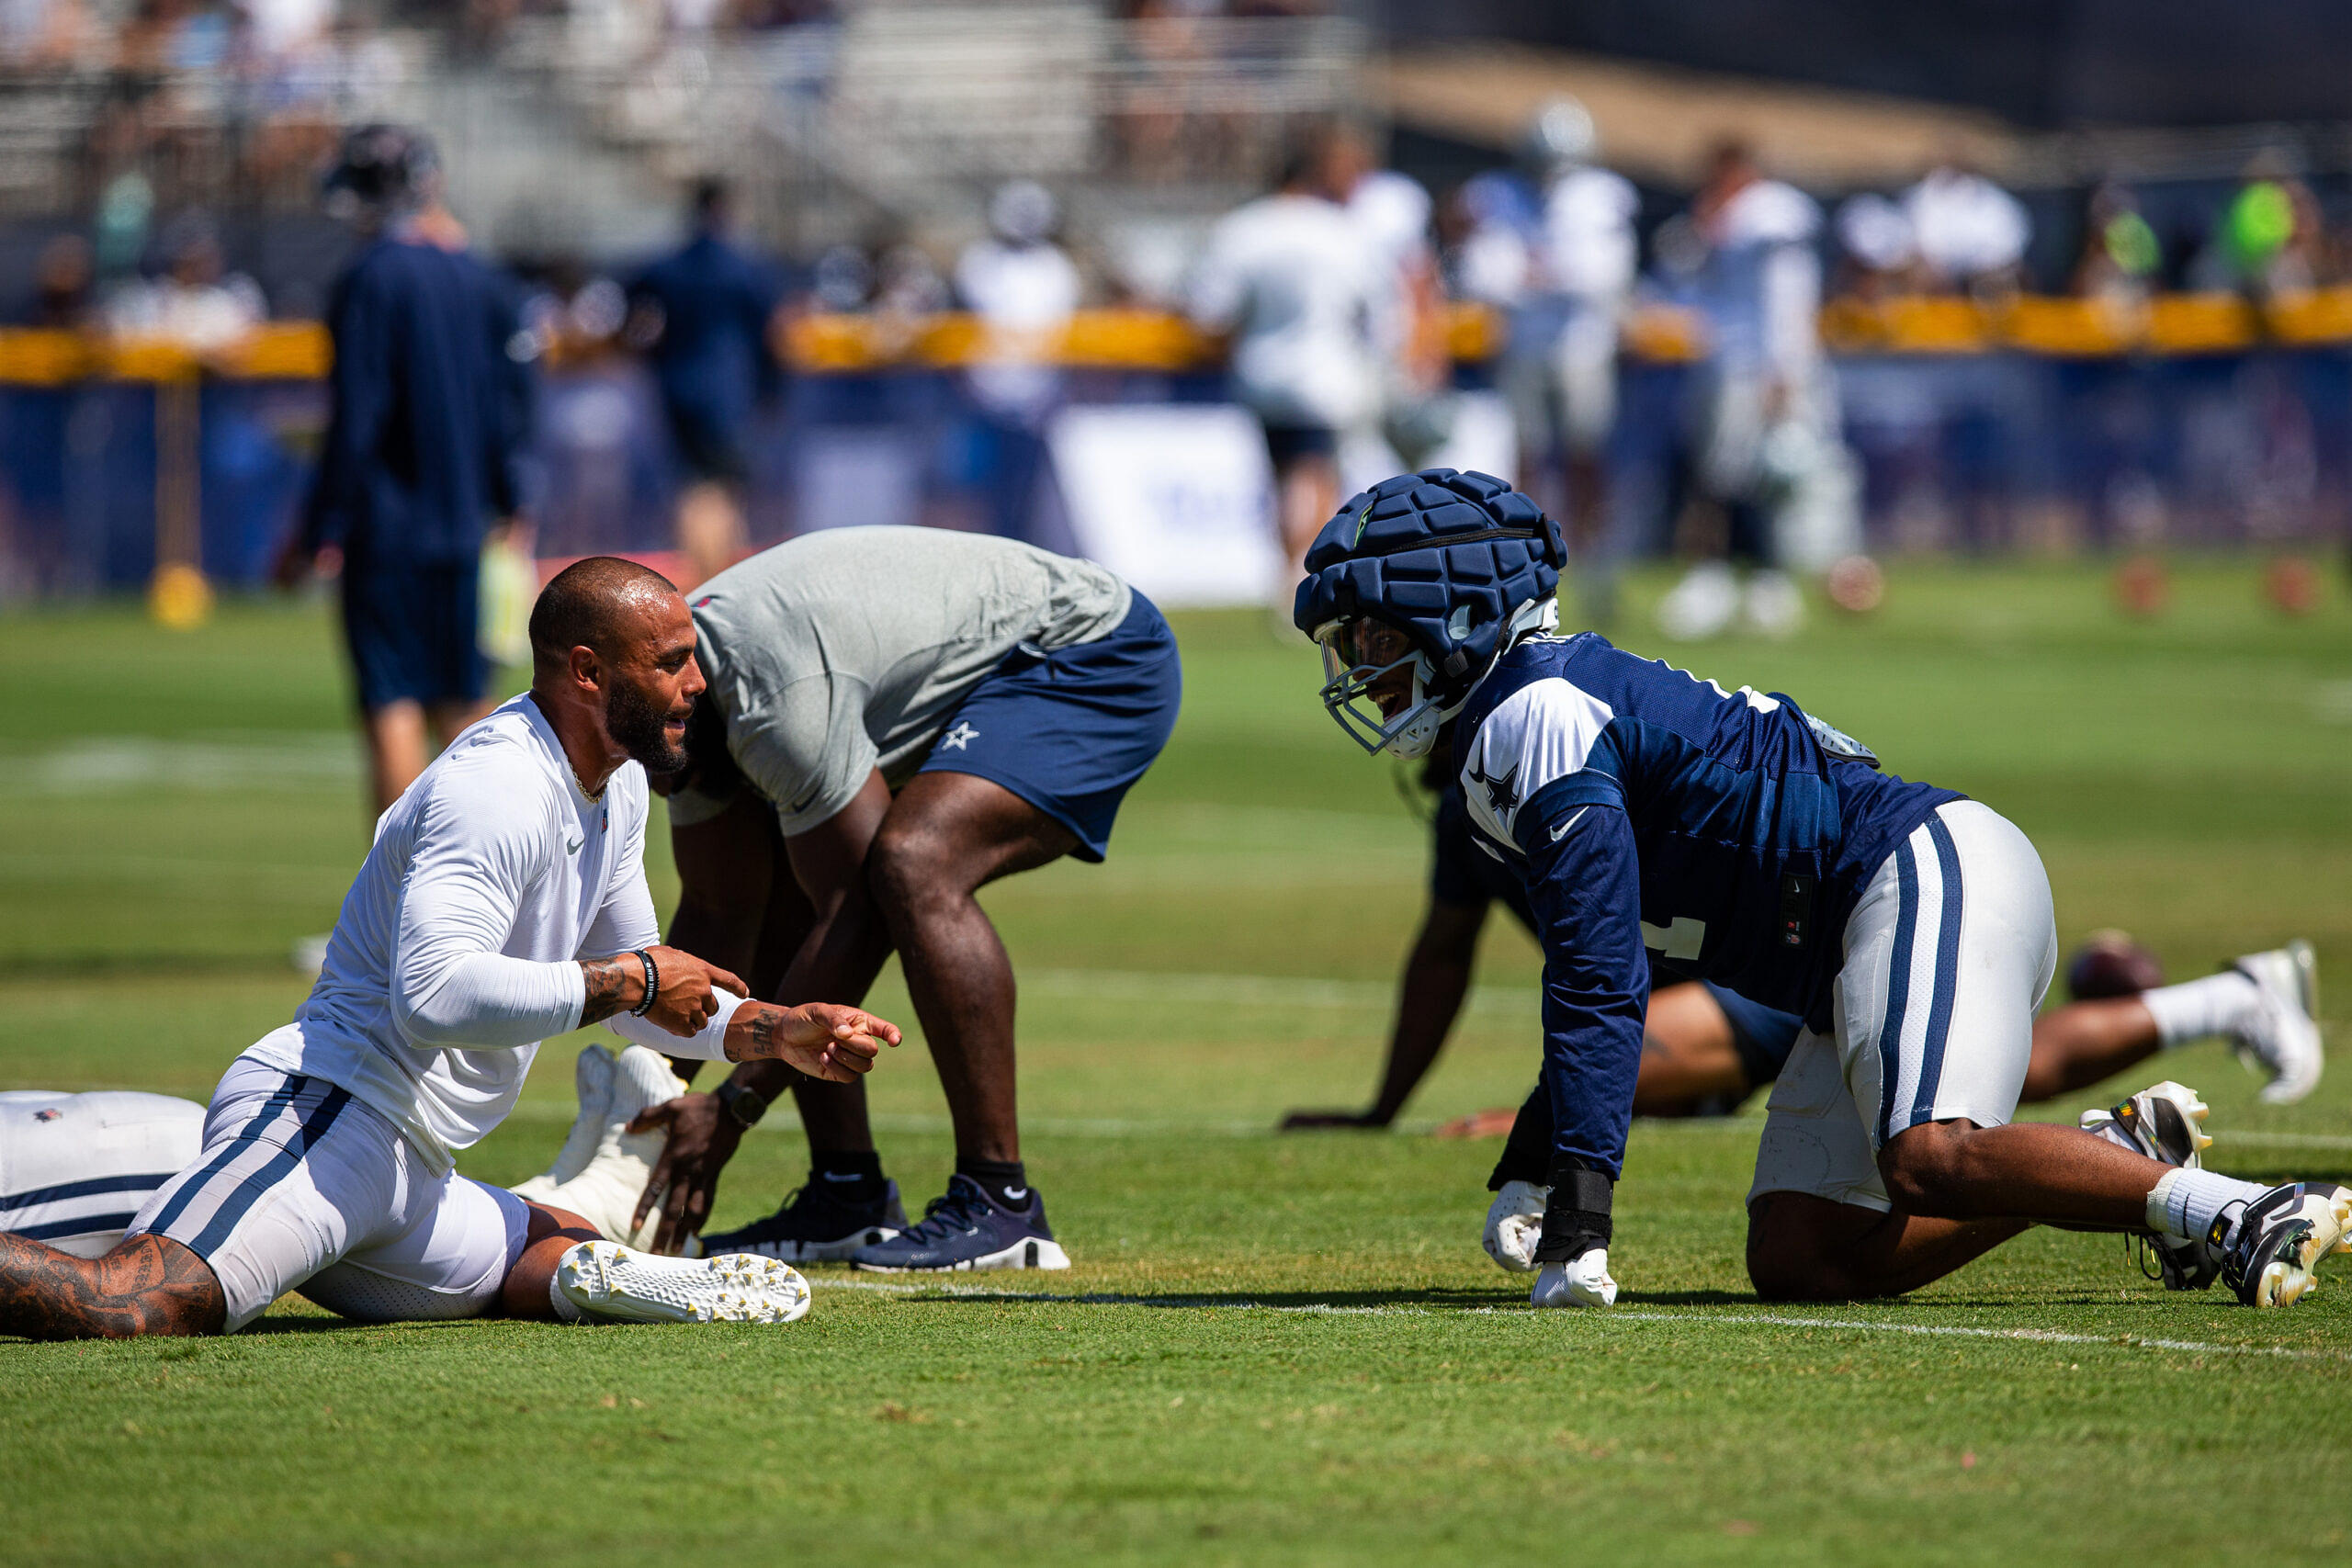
[
  {"x": 592, "y": 1080},
  {"x": 2165, "y": 1122},
  {"x": 606, "y": 1280},
  {"x": 967, "y": 1229},
  {"x": 2271, "y": 1245},
  {"x": 2282, "y": 1034},
  {"x": 817, "y": 1225}
]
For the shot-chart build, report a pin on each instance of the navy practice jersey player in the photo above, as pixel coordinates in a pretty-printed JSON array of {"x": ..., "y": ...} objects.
[{"x": 1656, "y": 818}]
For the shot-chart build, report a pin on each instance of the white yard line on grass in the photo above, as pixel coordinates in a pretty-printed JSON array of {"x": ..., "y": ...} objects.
[{"x": 1629, "y": 1315}]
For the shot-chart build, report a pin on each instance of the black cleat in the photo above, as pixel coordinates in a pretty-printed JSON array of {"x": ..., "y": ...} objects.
[{"x": 816, "y": 1225}]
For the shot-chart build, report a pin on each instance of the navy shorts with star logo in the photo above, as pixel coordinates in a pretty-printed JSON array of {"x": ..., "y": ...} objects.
[{"x": 1070, "y": 731}]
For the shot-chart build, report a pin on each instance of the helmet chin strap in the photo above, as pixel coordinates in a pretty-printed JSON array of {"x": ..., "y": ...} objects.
[{"x": 1537, "y": 617}]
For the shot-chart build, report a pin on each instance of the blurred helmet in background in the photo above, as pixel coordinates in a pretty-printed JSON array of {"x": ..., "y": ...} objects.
[
  {"x": 1022, "y": 212},
  {"x": 1561, "y": 132},
  {"x": 380, "y": 169}
]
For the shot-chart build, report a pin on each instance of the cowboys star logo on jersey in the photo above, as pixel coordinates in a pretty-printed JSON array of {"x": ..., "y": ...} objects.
[{"x": 1502, "y": 794}]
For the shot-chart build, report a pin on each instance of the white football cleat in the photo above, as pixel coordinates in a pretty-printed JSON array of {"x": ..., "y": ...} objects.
[
  {"x": 591, "y": 1079},
  {"x": 1515, "y": 1225},
  {"x": 605, "y": 1187},
  {"x": 606, "y": 1280},
  {"x": 2282, "y": 1033},
  {"x": 1582, "y": 1282}
]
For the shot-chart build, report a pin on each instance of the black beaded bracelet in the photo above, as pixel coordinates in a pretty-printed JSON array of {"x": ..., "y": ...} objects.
[{"x": 653, "y": 983}]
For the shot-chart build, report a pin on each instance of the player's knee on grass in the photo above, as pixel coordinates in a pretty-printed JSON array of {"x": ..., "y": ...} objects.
[{"x": 1800, "y": 1247}]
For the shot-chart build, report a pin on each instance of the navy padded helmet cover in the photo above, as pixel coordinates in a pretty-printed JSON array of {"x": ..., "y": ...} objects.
[{"x": 1386, "y": 554}]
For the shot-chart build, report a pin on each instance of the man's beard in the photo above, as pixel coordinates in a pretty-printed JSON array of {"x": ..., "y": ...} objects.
[{"x": 639, "y": 726}]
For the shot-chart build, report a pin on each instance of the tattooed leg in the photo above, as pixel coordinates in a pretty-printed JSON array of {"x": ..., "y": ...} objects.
[{"x": 149, "y": 1284}]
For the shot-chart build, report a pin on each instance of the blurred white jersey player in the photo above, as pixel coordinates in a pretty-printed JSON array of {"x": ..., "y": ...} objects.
[
  {"x": 1392, "y": 211},
  {"x": 1560, "y": 370},
  {"x": 1764, "y": 413},
  {"x": 74, "y": 1168},
  {"x": 1024, "y": 290},
  {"x": 1306, "y": 303}
]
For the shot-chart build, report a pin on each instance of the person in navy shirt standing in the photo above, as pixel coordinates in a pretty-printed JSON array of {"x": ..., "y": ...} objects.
[
  {"x": 705, "y": 315},
  {"x": 431, "y": 391},
  {"x": 1659, "y": 823}
]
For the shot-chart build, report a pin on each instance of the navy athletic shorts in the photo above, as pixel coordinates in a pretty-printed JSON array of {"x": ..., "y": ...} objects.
[
  {"x": 414, "y": 631},
  {"x": 1070, "y": 731},
  {"x": 1286, "y": 443},
  {"x": 1762, "y": 1037}
]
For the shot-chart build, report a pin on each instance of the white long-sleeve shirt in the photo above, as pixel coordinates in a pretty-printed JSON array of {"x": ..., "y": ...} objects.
[{"x": 457, "y": 949}]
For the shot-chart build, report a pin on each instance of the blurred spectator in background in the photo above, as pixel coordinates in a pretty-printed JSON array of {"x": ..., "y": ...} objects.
[
  {"x": 2270, "y": 238},
  {"x": 1969, "y": 234},
  {"x": 1878, "y": 255},
  {"x": 1288, "y": 277},
  {"x": 706, "y": 313},
  {"x": 192, "y": 304},
  {"x": 1560, "y": 367},
  {"x": 1024, "y": 291},
  {"x": 1766, "y": 445},
  {"x": 1391, "y": 212},
  {"x": 2123, "y": 260},
  {"x": 63, "y": 276},
  {"x": 431, "y": 391}
]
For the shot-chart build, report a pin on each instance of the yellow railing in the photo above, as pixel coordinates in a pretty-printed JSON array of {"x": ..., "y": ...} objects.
[{"x": 1154, "y": 340}]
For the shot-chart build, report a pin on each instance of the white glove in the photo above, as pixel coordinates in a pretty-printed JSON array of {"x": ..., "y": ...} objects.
[
  {"x": 1582, "y": 1282},
  {"x": 1515, "y": 1225}
]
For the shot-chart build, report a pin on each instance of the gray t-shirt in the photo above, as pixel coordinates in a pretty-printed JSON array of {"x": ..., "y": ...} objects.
[{"x": 847, "y": 650}]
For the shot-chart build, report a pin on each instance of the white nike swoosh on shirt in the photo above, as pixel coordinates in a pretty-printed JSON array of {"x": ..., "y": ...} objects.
[{"x": 1562, "y": 831}]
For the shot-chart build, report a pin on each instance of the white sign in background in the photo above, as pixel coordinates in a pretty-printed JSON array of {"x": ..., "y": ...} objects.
[{"x": 1178, "y": 500}]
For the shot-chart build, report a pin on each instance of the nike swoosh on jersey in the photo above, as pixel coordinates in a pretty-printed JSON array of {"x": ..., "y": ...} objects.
[
  {"x": 1562, "y": 831},
  {"x": 573, "y": 848}
]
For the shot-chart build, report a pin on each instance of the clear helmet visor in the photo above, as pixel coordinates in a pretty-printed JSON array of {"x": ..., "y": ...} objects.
[{"x": 1365, "y": 660}]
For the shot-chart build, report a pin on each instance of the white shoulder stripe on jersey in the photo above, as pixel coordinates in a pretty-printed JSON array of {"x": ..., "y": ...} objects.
[{"x": 1538, "y": 735}]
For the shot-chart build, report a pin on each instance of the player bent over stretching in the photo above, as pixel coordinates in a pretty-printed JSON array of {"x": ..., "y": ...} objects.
[
  {"x": 1658, "y": 821},
  {"x": 897, "y": 717},
  {"x": 503, "y": 900}
]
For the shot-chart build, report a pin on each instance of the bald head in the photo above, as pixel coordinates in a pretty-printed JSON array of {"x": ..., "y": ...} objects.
[
  {"x": 594, "y": 602},
  {"x": 613, "y": 667}
]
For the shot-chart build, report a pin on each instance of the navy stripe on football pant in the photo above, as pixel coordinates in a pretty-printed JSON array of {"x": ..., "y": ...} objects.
[
  {"x": 12, "y": 1202},
  {"x": 269, "y": 1111},
  {"x": 276, "y": 1169},
  {"x": 1898, "y": 985},
  {"x": 1931, "y": 1059},
  {"x": 86, "y": 1226}
]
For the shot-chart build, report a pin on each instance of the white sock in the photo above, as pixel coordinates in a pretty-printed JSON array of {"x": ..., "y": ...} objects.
[
  {"x": 2186, "y": 1202},
  {"x": 2195, "y": 1009},
  {"x": 566, "y": 1310}
]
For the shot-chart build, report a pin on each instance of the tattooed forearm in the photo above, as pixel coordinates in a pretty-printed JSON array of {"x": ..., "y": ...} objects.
[
  {"x": 761, "y": 1027},
  {"x": 608, "y": 985},
  {"x": 147, "y": 1285}
]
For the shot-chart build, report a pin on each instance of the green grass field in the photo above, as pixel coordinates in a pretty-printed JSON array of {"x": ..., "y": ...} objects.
[{"x": 1272, "y": 1348}]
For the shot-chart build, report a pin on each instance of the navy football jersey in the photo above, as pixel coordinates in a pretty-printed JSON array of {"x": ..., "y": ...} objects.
[{"x": 1655, "y": 818}]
